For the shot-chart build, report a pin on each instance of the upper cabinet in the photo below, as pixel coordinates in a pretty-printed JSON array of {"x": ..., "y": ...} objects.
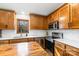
[
  {"x": 49, "y": 19},
  {"x": 52, "y": 17},
  {"x": 7, "y": 19},
  {"x": 38, "y": 22},
  {"x": 74, "y": 16},
  {"x": 45, "y": 23},
  {"x": 64, "y": 17},
  {"x": 11, "y": 20}
]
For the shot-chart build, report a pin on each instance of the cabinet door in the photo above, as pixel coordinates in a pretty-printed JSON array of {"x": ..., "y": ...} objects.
[
  {"x": 72, "y": 51},
  {"x": 3, "y": 19},
  {"x": 74, "y": 22},
  {"x": 49, "y": 19},
  {"x": 59, "y": 49},
  {"x": 59, "y": 52},
  {"x": 4, "y": 41},
  {"x": 54, "y": 17},
  {"x": 64, "y": 17},
  {"x": 42, "y": 43},
  {"x": 31, "y": 39},
  {"x": 36, "y": 22},
  {"x": 45, "y": 23},
  {"x": 11, "y": 18},
  {"x": 18, "y": 40},
  {"x": 6, "y": 19}
]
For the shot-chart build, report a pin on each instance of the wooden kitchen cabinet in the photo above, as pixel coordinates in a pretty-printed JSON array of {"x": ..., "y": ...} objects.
[
  {"x": 45, "y": 23},
  {"x": 31, "y": 39},
  {"x": 7, "y": 19},
  {"x": 11, "y": 20},
  {"x": 49, "y": 19},
  {"x": 41, "y": 41},
  {"x": 37, "y": 22},
  {"x": 72, "y": 51},
  {"x": 4, "y": 41},
  {"x": 3, "y": 19},
  {"x": 67, "y": 15},
  {"x": 74, "y": 18},
  {"x": 18, "y": 40},
  {"x": 59, "y": 49},
  {"x": 54, "y": 16},
  {"x": 61, "y": 15},
  {"x": 64, "y": 17}
]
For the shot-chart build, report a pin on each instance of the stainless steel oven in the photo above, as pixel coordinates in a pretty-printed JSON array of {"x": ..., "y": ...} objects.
[{"x": 56, "y": 35}]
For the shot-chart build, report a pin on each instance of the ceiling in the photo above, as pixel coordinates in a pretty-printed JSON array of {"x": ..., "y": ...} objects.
[{"x": 27, "y": 8}]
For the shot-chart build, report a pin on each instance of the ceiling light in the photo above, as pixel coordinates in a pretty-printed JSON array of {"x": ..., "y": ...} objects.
[{"x": 23, "y": 13}]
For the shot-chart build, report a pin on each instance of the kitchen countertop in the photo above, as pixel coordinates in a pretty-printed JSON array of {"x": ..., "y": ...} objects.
[
  {"x": 74, "y": 43},
  {"x": 18, "y": 37}
]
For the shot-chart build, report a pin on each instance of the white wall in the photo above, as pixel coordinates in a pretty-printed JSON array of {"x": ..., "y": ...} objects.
[{"x": 12, "y": 33}]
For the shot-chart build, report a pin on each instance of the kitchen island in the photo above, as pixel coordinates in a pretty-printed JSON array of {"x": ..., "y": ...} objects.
[{"x": 22, "y": 49}]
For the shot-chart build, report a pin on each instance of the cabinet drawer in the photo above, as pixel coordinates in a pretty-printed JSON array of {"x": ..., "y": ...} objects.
[
  {"x": 68, "y": 54},
  {"x": 31, "y": 39},
  {"x": 72, "y": 53},
  {"x": 72, "y": 50},
  {"x": 59, "y": 44},
  {"x": 18, "y": 40},
  {"x": 4, "y": 41}
]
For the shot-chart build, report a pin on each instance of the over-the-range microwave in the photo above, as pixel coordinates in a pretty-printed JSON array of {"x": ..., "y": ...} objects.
[{"x": 54, "y": 25}]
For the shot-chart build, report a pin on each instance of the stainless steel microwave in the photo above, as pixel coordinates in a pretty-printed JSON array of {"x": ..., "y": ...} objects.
[{"x": 54, "y": 25}]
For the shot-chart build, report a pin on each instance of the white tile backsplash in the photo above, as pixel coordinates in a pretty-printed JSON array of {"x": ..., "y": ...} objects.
[
  {"x": 12, "y": 33},
  {"x": 67, "y": 34}
]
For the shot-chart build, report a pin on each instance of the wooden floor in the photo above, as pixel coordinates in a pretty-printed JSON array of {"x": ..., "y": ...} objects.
[{"x": 22, "y": 49}]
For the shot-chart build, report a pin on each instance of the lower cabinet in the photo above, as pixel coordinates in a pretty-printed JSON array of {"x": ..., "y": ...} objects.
[
  {"x": 72, "y": 51},
  {"x": 18, "y": 40},
  {"x": 61, "y": 49},
  {"x": 41, "y": 41},
  {"x": 30, "y": 39},
  {"x": 4, "y": 41}
]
